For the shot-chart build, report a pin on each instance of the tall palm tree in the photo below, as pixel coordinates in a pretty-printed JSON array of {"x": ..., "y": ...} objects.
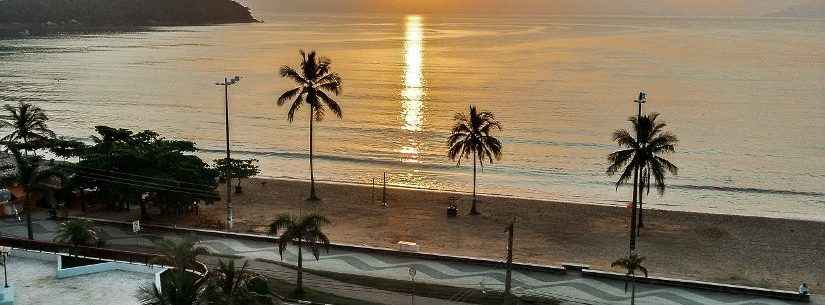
[
  {"x": 472, "y": 136},
  {"x": 27, "y": 123},
  {"x": 631, "y": 265},
  {"x": 315, "y": 83},
  {"x": 77, "y": 232},
  {"x": 229, "y": 285},
  {"x": 641, "y": 157},
  {"x": 304, "y": 231},
  {"x": 25, "y": 173}
]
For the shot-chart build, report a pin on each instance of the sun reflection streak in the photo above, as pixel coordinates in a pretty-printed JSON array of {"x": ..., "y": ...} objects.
[{"x": 413, "y": 93}]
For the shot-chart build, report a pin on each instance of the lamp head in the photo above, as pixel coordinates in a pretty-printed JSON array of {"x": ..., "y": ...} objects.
[{"x": 642, "y": 97}]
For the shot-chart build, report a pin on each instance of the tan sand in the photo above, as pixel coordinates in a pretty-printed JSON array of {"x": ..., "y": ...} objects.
[{"x": 764, "y": 252}]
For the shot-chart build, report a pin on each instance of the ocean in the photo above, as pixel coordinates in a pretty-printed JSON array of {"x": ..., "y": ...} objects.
[{"x": 745, "y": 96}]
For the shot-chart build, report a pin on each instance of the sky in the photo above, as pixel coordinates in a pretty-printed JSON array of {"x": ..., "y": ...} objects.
[{"x": 608, "y": 7}]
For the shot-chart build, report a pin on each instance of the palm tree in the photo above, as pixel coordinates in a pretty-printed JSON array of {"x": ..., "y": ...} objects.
[
  {"x": 315, "y": 82},
  {"x": 471, "y": 135},
  {"x": 77, "y": 232},
  {"x": 27, "y": 123},
  {"x": 27, "y": 175},
  {"x": 641, "y": 157},
  {"x": 176, "y": 289},
  {"x": 232, "y": 286},
  {"x": 181, "y": 255},
  {"x": 304, "y": 231},
  {"x": 631, "y": 264}
]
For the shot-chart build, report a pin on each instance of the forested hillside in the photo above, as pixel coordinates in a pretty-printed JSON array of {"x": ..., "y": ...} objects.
[{"x": 39, "y": 14}]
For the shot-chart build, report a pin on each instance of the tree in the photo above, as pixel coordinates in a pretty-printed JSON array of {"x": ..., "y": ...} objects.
[
  {"x": 631, "y": 264},
  {"x": 76, "y": 232},
  {"x": 232, "y": 286},
  {"x": 304, "y": 231},
  {"x": 239, "y": 169},
  {"x": 27, "y": 124},
  {"x": 315, "y": 82},
  {"x": 181, "y": 255},
  {"x": 141, "y": 167},
  {"x": 176, "y": 289},
  {"x": 472, "y": 136},
  {"x": 643, "y": 154},
  {"x": 27, "y": 174}
]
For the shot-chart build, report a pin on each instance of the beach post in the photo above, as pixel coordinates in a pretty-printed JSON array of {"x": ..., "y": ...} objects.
[{"x": 384, "y": 194}]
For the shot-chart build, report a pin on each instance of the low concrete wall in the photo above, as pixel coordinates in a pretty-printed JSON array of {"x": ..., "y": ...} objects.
[
  {"x": 699, "y": 285},
  {"x": 104, "y": 267}
]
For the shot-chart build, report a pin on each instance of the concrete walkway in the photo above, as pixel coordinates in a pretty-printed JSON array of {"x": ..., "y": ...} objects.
[{"x": 571, "y": 287}]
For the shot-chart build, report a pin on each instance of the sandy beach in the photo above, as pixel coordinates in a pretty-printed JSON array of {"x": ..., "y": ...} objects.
[{"x": 775, "y": 253}]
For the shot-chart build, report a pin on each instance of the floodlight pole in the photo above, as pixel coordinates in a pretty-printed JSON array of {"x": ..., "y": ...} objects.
[{"x": 230, "y": 218}]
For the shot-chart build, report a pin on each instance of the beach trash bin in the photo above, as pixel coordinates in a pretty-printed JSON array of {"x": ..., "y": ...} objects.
[{"x": 452, "y": 211}]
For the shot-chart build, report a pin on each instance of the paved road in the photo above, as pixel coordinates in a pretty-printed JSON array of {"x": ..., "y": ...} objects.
[{"x": 571, "y": 288}]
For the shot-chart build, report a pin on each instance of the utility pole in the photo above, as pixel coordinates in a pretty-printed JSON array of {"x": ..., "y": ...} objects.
[
  {"x": 508, "y": 279},
  {"x": 228, "y": 174}
]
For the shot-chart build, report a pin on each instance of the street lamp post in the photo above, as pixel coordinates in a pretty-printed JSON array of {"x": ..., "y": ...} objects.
[
  {"x": 636, "y": 194},
  {"x": 4, "y": 251},
  {"x": 229, "y": 214}
]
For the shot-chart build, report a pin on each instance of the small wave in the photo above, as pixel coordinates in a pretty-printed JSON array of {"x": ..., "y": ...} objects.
[
  {"x": 296, "y": 155},
  {"x": 748, "y": 190}
]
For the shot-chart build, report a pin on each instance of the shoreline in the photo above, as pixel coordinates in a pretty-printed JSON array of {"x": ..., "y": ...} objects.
[{"x": 618, "y": 204}]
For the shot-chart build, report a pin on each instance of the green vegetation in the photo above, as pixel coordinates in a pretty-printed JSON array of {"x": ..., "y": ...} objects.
[
  {"x": 144, "y": 168},
  {"x": 47, "y": 16},
  {"x": 238, "y": 169},
  {"x": 76, "y": 232},
  {"x": 181, "y": 255},
  {"x": 472, "y": 136},
  {"x": 236, "y": 286},
  {"x": 631, "y": 264},
  {"x": 26, "y": 124},
  {"x": 315, "y": 82},
  {"x": 304, "y": 231}
]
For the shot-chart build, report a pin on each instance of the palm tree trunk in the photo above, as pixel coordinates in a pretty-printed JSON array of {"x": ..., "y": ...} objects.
[
  {"x": 28, "y": 208},
  {"x": 641, "y": 209},
  {"x": 312, "y": 195},
  {"x": 299, "y": 288},
  {"x": 473, "y": 210},
  {"x": 633, "y": 211}
]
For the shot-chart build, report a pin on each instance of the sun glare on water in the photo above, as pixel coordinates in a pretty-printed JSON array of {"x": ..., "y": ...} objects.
[{"x": 412, "y": 94}]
